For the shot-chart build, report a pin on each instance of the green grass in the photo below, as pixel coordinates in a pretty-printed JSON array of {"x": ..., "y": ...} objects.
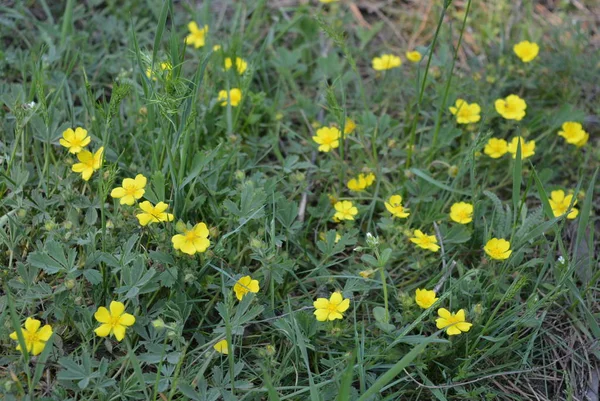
[{"x": 253, "y": 174}]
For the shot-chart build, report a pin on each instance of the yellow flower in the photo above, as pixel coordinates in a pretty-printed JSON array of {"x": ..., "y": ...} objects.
[
  {"x": 88, "y": 163},
  {"x": 35, "y": 338},
  {"x": 328, "y": 1},
  {"x": 496, "y": 148},
  {"x": 165, "y": 66},
  {"x": 332, "y": 308},
  {"x": 361, "y": 182},
  {"x": 526, "y": 50},
  {"x": 192, "y": 240},
  {"x": 572, "y": 132},
  {"x": 527, "y": 148},
  {"x": 344, "y": 210},
  {"x": 349, "y": 127},
  {"x": 498, "y": 249},
  {"x": 323, "y": 237},
  {"x": 130, "y": 190},
  {"x": 366, "y": 273},
  {"x": 153, "y": 214},
  {"x": 327, "y": 138},
  {"x": 425, "y": 298},
  {"x": 235, "y": 97},
  {"x": 394, "y": 206},
  {"x": 560, "y": 204},
  {"x": 114, "y": 322},
  {"x": 461, "y": 212},
  {"x": 240, "y": 64},
  {"x": 216, "y": 48},
  {"x": 245, "y": 285},
  {"x": 197, "y": 36},
  {"x": 221, "y": 347},
  {"x": 453, "y": 323},
  {"x": 386, "y": 62},
  {"x": 414, "y": 56},
  {"x": 465, "y": 113},
  {"x": 511, "y": 108},
  {"x": 76, "y": 140},
  {"x": 425, "y": 241}
]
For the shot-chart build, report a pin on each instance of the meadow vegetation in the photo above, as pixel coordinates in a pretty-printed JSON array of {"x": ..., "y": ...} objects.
[{"x": 299, "y": 200}]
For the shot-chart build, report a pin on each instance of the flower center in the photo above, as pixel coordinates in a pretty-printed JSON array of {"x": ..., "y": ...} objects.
[
  {"x": 114, "y": 321},
  {"x": 190, "y": 235},
  {"x": 31, "y": 337},
  {"x": 331, "y": 308},
  {"x": 130, "y": 189}
]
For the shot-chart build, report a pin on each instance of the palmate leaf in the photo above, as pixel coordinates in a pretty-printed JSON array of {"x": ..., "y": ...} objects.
[{"x": 54, "y": 258}]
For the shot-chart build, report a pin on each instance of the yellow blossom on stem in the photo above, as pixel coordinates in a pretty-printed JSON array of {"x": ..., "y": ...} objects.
[
  {"x": 88, "y": 163},
  {"x": 130, "y": 190},
  {"x": 414, "y": 56},
  {"x": 366, "y": 273},
  {"x": 222, "y": 347},
  {"x": 559, "y": 202},
  {"x": 114, "y": 322},
  {"x": 327, "y": 138},
  {"x": 425, "y": 241},
  {"x": 34, "y": 336},
  {"x": 572, "y": 132},
  {"x": 425, "y": 298},
  {"x": 76, "y": 140},
  {"x": 360, "y": 183},
  {"x": 496, "y": 148},
  {"x": 245, "y": 285},
  {"x": 454, "y": 323},
  {"x": 240, "y": 64},
  {"x": 466, "y": 113},
  {"x": 349, "y": 127},
  {"x": 527, "y": 148},
  {"x": 526, "y": 50},
  {"x": 153, "y": 214},
  {"x": 197, "y": 36},
  {"x": 386, "y": 62},
  {"x": 345, "y": 210},
  {"x": 461, "y": 212},
  {"x": 511, "y": 108},
  {"x": 192, "y": 240},
  {"x": 498, "y": 249},
  {"x": 394, "y": 206},
  {"x": 234, "y": 95},
  {"x": 332, "y": 308}
]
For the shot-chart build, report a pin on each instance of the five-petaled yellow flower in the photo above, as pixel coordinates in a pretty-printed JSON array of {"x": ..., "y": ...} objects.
[
  {"x": 130, "y": 190},
  {"x": 240, "y": 64},
  {"x": 349, "y": 127},
  {"x": 394, "y": 206},
  {"x": 425, "y": 298},
  {"x": 461, "y": 212},
  {"x": 498, "y": 249},
  {"x": 425, "y": 241},
  {"x": 153, "y": 214},
  {"x": 496, "y": 148},
  {"x": 344, "y": 210},
  {"x": 454, "y": 323},
  {"x": 511, "y": 108},
  {"x": 466, "y": 113},
  {"x": 386, "y": 62},
  {"x": 245, "y": 285},
  {"x": 221, "y": 347},
  {"x": 192, "y": 240},
  {"x": 76, "y": 140},
  {"x": 414, "y": 56},
  {"x": 88, "y": 163},
  {"x": 235, "y": 97},
  {"x": 332, "y": 308},
  {"x": 34, "y": 336},
  {"x": 114, "y": 322},
  {"x": 572, "y": 132},
  {"x": 197, "y": 36},
  {"x": 527, "y": 148},
  {"x": 327, "y": 138},
  {"x": 526, "y": 50},
  {"x": 560, "y": 204},
  {"x": 361, "y": 182}
]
